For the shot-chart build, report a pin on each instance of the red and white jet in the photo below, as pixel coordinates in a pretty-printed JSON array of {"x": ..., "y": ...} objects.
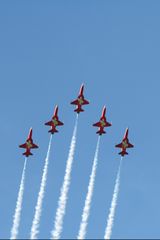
[
  {"x": 54, "y": 122},
  {"x": 28, "y": 145},
  {"x": 80, "y": 101},
  {"x": 102, "y": 123},
  {"x": 124, "y": 144}
]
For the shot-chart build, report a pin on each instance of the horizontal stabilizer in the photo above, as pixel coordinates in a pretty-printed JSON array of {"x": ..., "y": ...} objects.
[
  {"x": 123, "y": 153},
  {"x": 78, "y": 110},
  {"x": 52, "y": 131},
  {"x": 27, "y": 154},
  {"x": 100, "y": 132}
]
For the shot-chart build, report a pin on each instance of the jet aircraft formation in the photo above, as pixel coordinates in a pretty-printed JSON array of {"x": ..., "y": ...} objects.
[{"x": 55, "y": 122}]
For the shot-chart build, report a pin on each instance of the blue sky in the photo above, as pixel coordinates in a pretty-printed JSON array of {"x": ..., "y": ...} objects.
[{"x": 47, "y": 49}]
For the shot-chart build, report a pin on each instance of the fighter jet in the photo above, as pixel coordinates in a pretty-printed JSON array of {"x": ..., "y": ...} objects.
[
  {"x": 28, "y": 145},
  {"x": 80, "y": 101},
  {"x": 102, "y": 123},
  {"x": 124, "y": 144},
  {"x": 54, "y": 122}
]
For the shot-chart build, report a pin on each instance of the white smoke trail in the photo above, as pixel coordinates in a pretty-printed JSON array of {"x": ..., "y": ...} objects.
[
  {"x": 58, "y": 223},
  {"x": 87, "y": 206},
  {"x": 38, "y": 209},
  {"x": 18, "y": 209},
  {"x": 111, "y": 215}
]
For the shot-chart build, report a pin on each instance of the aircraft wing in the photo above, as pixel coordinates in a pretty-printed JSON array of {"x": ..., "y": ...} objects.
[
  {"x": 75, "y": 102},
  {"x": 60, "y": 123},
  {"x": 119, "y": 145},
  {"x": 34, "y": 145},
  {"x": 48, "y": 123},
  {"x": 108, "y": 124},
  {"x": 23, "y": 145},
  {"x": 97, "y": 124},
  {"x": 130, "y": 145},
  {"x": 85, "y": 102}
]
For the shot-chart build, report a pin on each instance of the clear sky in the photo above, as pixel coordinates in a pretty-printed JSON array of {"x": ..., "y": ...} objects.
[{"x": 47, "y": 49}]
